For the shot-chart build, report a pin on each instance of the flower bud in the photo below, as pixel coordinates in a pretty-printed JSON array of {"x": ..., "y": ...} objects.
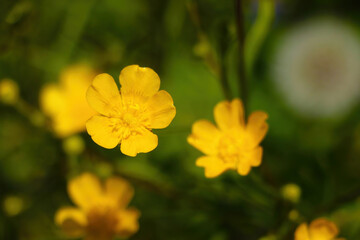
[
  {"x": 73, "y": 145},
  {"x": 293, "y": 215},
  {"x": 9, "y": 91},
  {"x": 291, "y": 192},
  {"x": 13, "y": 205}
]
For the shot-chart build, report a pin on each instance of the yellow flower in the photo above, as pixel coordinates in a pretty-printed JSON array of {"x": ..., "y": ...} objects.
[
  {"x": 102, "y": 211},
  {"x": 127, "y": 117},
  {"x": 319, "y": 229},
  {"x": 231, "y": 145},
  {"x": 65, "y": 103},
  {"x": 9, "y": 91}
]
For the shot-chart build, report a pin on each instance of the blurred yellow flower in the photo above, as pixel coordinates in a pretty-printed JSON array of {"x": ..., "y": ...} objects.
[
  {"x": 102, "y": 211},
  {"x": 13, "y": 205},
  {"x": 127, "y": 117},
  {"x": 9, "y": 91},
  {"x": 231, "y": 145},
  {"x": 319, "y": 229},
  {"x": 65, "y": 103}
]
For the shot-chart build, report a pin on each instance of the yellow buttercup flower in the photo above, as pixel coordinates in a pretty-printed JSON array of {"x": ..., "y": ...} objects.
[
  {"x": 319, "y": 229},
  {"x": 231, "y": 145},
  {"x": 127, "y": 117},
  {"x": 102, "y": 212},
  {"x": 65, "y": 103}
]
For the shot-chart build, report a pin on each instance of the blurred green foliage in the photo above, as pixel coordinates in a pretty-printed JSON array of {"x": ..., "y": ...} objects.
[{"x": 39, "y": 38}]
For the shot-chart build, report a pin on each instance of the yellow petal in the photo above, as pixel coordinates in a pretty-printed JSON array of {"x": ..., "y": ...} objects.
[
  {"x": 54, "y": 104},
  {"x": 254, "y": 156},
  {"x": 77, "y": 77},
  {"x": 229, "y": 114},
  {"x": 127, "y": 222},
  {"x": 243, "y": 169},
  {"x": 51, "y": 99},
  {"x": 213, "y": 166},
  {"x": 302, "y": 232},
  {"x": 103, "y": 131},
  {"x": 142, "y": 142},
  {"x": 139, "y": 80},
  {"x": 119, "y": 190},
  {"x": 323, "y": 229},
  {"x": 67, "y": 106},
  {"x": 257, "y": 127},
  {"x": 103, "y": 95},
  {"x": 162, "y": 110},
  {"x": 85, "y": 190},
  {"x": 205, "y": 137},
  {"x": 249, "y": 159},
  {"x": 72, "y": 221}
]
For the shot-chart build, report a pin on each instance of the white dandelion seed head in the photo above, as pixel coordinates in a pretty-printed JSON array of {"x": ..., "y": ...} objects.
[{"x": 317, "y": 68}]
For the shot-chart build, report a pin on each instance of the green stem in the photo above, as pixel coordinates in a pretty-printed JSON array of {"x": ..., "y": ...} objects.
[
  {"x": 255, "y": 37},
  {"x": 223, "y": 81},
  {"x": 215, "y": 63},
  {"x": 223, "y": 44},
  {"x": 34, "y": 115},
  {"x": 264, "y": 186},
  {"x": 241, "y": 39}
]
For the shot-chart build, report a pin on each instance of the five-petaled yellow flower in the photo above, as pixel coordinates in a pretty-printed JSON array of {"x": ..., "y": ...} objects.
[
  {"x": 231, "y": 145},
  {"x": 102, "y": 211},
  {"x": 65, "y": 103},
  {"x": 319, "y": 229},
  {"x": 126, "y": 117}
]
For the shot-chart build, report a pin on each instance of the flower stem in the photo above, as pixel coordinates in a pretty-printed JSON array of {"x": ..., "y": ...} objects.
[
  {"x": 215, "y": 63},
  {"x": 241, "y": 39},
  {"x": 223, "y": 44}
]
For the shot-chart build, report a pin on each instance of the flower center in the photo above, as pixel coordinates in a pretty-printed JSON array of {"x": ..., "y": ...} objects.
[
  {"x": 102, "y": 222},
  {"x": 229, "y": 149},
  {"x": 132, "y": 120}
]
